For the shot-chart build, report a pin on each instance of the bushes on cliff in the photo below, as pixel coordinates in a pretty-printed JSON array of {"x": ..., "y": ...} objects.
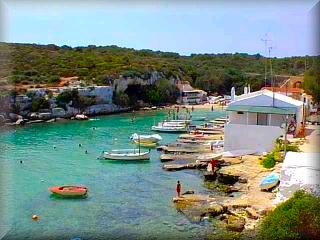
[
  {"x": 212, "y": 72},
  {"x": 72, "y": 97},
  {"x": 297, "y": 218},
  {"x": 120, "y": 98},
  {"x": 66, "y": 97},
  {"x": 39, "y": 103}
]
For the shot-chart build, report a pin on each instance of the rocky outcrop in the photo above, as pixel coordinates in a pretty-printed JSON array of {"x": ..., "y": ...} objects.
[
  {"x": 235, "y": 223},
  {"x": 177, "y": 167},
  {"x": 122, "y": 82},
  {"x": 81, "y": 117}
]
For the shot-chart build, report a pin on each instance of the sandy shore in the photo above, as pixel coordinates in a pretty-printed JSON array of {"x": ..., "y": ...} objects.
[{"x": 208, "y": 106}]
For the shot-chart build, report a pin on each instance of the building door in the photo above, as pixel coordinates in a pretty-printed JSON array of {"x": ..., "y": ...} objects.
[{"x": 262, "y": 119}]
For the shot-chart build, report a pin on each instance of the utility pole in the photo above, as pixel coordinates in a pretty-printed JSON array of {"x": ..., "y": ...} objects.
[
  {"x": 265, "y": 40},
  {"x": 271, "y": 76},
  {"x": 285, "y": 136}
]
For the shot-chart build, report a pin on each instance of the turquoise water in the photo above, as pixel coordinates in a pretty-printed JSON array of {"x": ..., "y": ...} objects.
[{"x": 125, "y": 201}]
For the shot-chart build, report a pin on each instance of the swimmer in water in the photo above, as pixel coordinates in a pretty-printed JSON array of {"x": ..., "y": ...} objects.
[
  {"x": 80, "y": 145},
  {"x": 21, "y": 161},
  {"x": 86, "y": 152}
]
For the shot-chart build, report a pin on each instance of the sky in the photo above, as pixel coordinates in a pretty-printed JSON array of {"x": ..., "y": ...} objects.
[{"x": 185, "y": 27}]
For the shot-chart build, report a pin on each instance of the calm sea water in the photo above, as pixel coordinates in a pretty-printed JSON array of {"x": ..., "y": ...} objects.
[{"x": 125, "y": 201}]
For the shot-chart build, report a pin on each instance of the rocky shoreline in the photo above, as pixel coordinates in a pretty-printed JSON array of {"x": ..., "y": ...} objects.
[
  {"x": 11, "y": 120},
  {"x": 241, "y": 205}
]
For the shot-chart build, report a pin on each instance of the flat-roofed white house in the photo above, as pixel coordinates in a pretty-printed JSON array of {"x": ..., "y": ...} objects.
[
  {"x": 189, "y": 95},
  {"x": 256, "y": 120}
]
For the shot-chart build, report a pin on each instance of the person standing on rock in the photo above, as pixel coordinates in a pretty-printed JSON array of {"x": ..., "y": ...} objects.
[
  {"x": 213, "y": 164},
  {"x": 178, "y": 188}
]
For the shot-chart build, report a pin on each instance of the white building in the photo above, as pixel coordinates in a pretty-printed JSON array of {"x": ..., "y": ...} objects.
[
  {"x": 189, "y": 95},
  {"x": 256, "y": 120}
]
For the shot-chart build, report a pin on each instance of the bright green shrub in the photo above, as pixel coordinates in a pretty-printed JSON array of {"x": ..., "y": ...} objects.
[
  {"x": 269, "y": 161},
  {"x": 297, "y": 218}
]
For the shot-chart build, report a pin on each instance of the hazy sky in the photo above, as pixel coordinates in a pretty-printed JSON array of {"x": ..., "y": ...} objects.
[{"x": 182, "y": 26}]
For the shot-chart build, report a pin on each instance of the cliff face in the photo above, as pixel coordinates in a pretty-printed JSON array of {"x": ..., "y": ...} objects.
[{"x": 121, "y": 83}]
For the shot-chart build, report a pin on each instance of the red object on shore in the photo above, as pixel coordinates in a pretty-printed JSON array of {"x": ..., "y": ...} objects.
[
  {"x": 69, "y": 191},
  {"x": 213, "y": 164},
  {"x": 178, "y": 189}
]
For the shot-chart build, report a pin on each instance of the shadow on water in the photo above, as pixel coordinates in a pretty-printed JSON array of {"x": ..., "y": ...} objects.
[
  {"x": 104, "y": 161},
  {"x": 75, "y": 198}
]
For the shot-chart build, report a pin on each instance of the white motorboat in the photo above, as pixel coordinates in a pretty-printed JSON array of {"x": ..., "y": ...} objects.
[
  {"x": 172, "y": 126},
  {"x": 161, "y": 128},
  {"x": 217, "y": 143},
  {"x": 152, "y": 138},
  {"x": 126, "y": 154}
]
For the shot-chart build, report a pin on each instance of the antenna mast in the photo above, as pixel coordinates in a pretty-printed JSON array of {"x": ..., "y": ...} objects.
[
  {"x": 265, "y": 40},
  {"x": 271, "y": 76}
]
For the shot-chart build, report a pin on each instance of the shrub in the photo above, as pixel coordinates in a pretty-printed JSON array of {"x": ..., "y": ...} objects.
[
  {"x": 292, "y": 148},
  {"x": 121, "y": 99},
  {"x": 269, "y": 161},
  {"x": 297, "y": 218},
  {"x": 53, "y": 79},
  {"x": 39, "y": 103}
]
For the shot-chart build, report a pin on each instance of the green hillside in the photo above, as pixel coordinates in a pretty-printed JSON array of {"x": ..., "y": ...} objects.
[{"x": 31, "y": 63}]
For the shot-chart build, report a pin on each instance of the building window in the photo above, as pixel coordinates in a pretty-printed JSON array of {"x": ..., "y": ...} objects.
[{"x": 262, "y": 119}]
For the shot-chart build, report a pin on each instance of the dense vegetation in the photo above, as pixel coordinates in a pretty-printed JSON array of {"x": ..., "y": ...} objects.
[
  {"x": 31, "y": 63},
  {"x": 276, "y": 155},
  {"x": 73, "y": 98},
  {"x": 297, "y": 218},
  {"x": 311, "y": 82}
]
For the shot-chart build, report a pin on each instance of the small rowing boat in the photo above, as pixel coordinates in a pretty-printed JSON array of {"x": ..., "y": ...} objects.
[
  {"x": 69, "y": 191},
  {"x": 146, "y": 144},
  {"x": 269, "y": 181},
  {"x": 126, "y": 154}
]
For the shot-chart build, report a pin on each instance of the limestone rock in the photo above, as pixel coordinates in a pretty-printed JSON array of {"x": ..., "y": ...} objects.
[
  {"x": 14, "y": 117},
  {"x": 19, "y": 121},
  {"x": 227, "y": 178},
  {"x": 51, "y": 120},
  {"x": 216, "y": 209},
  {"x": 45, "y": 115},
  {"x": 235, "y": 223},
  {"x": 252, "y": 213},
  {"x": 188, "y": 192},
  {"x": 81, "y": 117}
]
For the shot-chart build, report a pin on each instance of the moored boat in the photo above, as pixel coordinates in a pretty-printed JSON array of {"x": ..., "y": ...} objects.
[
  {"x": 160, "y": 128},
  {"x": 126, "y": 154},
  {"x": 269, "y": 181},
  {"x": 69, "y": 191},
  {"x": 196, "y": 137},
  {"x": 152, "y": 138},
  {"x": 146, "y": 144}
]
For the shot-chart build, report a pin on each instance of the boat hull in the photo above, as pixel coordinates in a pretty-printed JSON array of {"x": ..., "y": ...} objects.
[
  {"x": 146, "y": 144},
  {"x": 126, "y": 157},
  {"x": 168, "y": 129},
  {"x": 154, "y": 138},
  {"x": 69, "y": 191},
  {"x": 269, "y": 182}
]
